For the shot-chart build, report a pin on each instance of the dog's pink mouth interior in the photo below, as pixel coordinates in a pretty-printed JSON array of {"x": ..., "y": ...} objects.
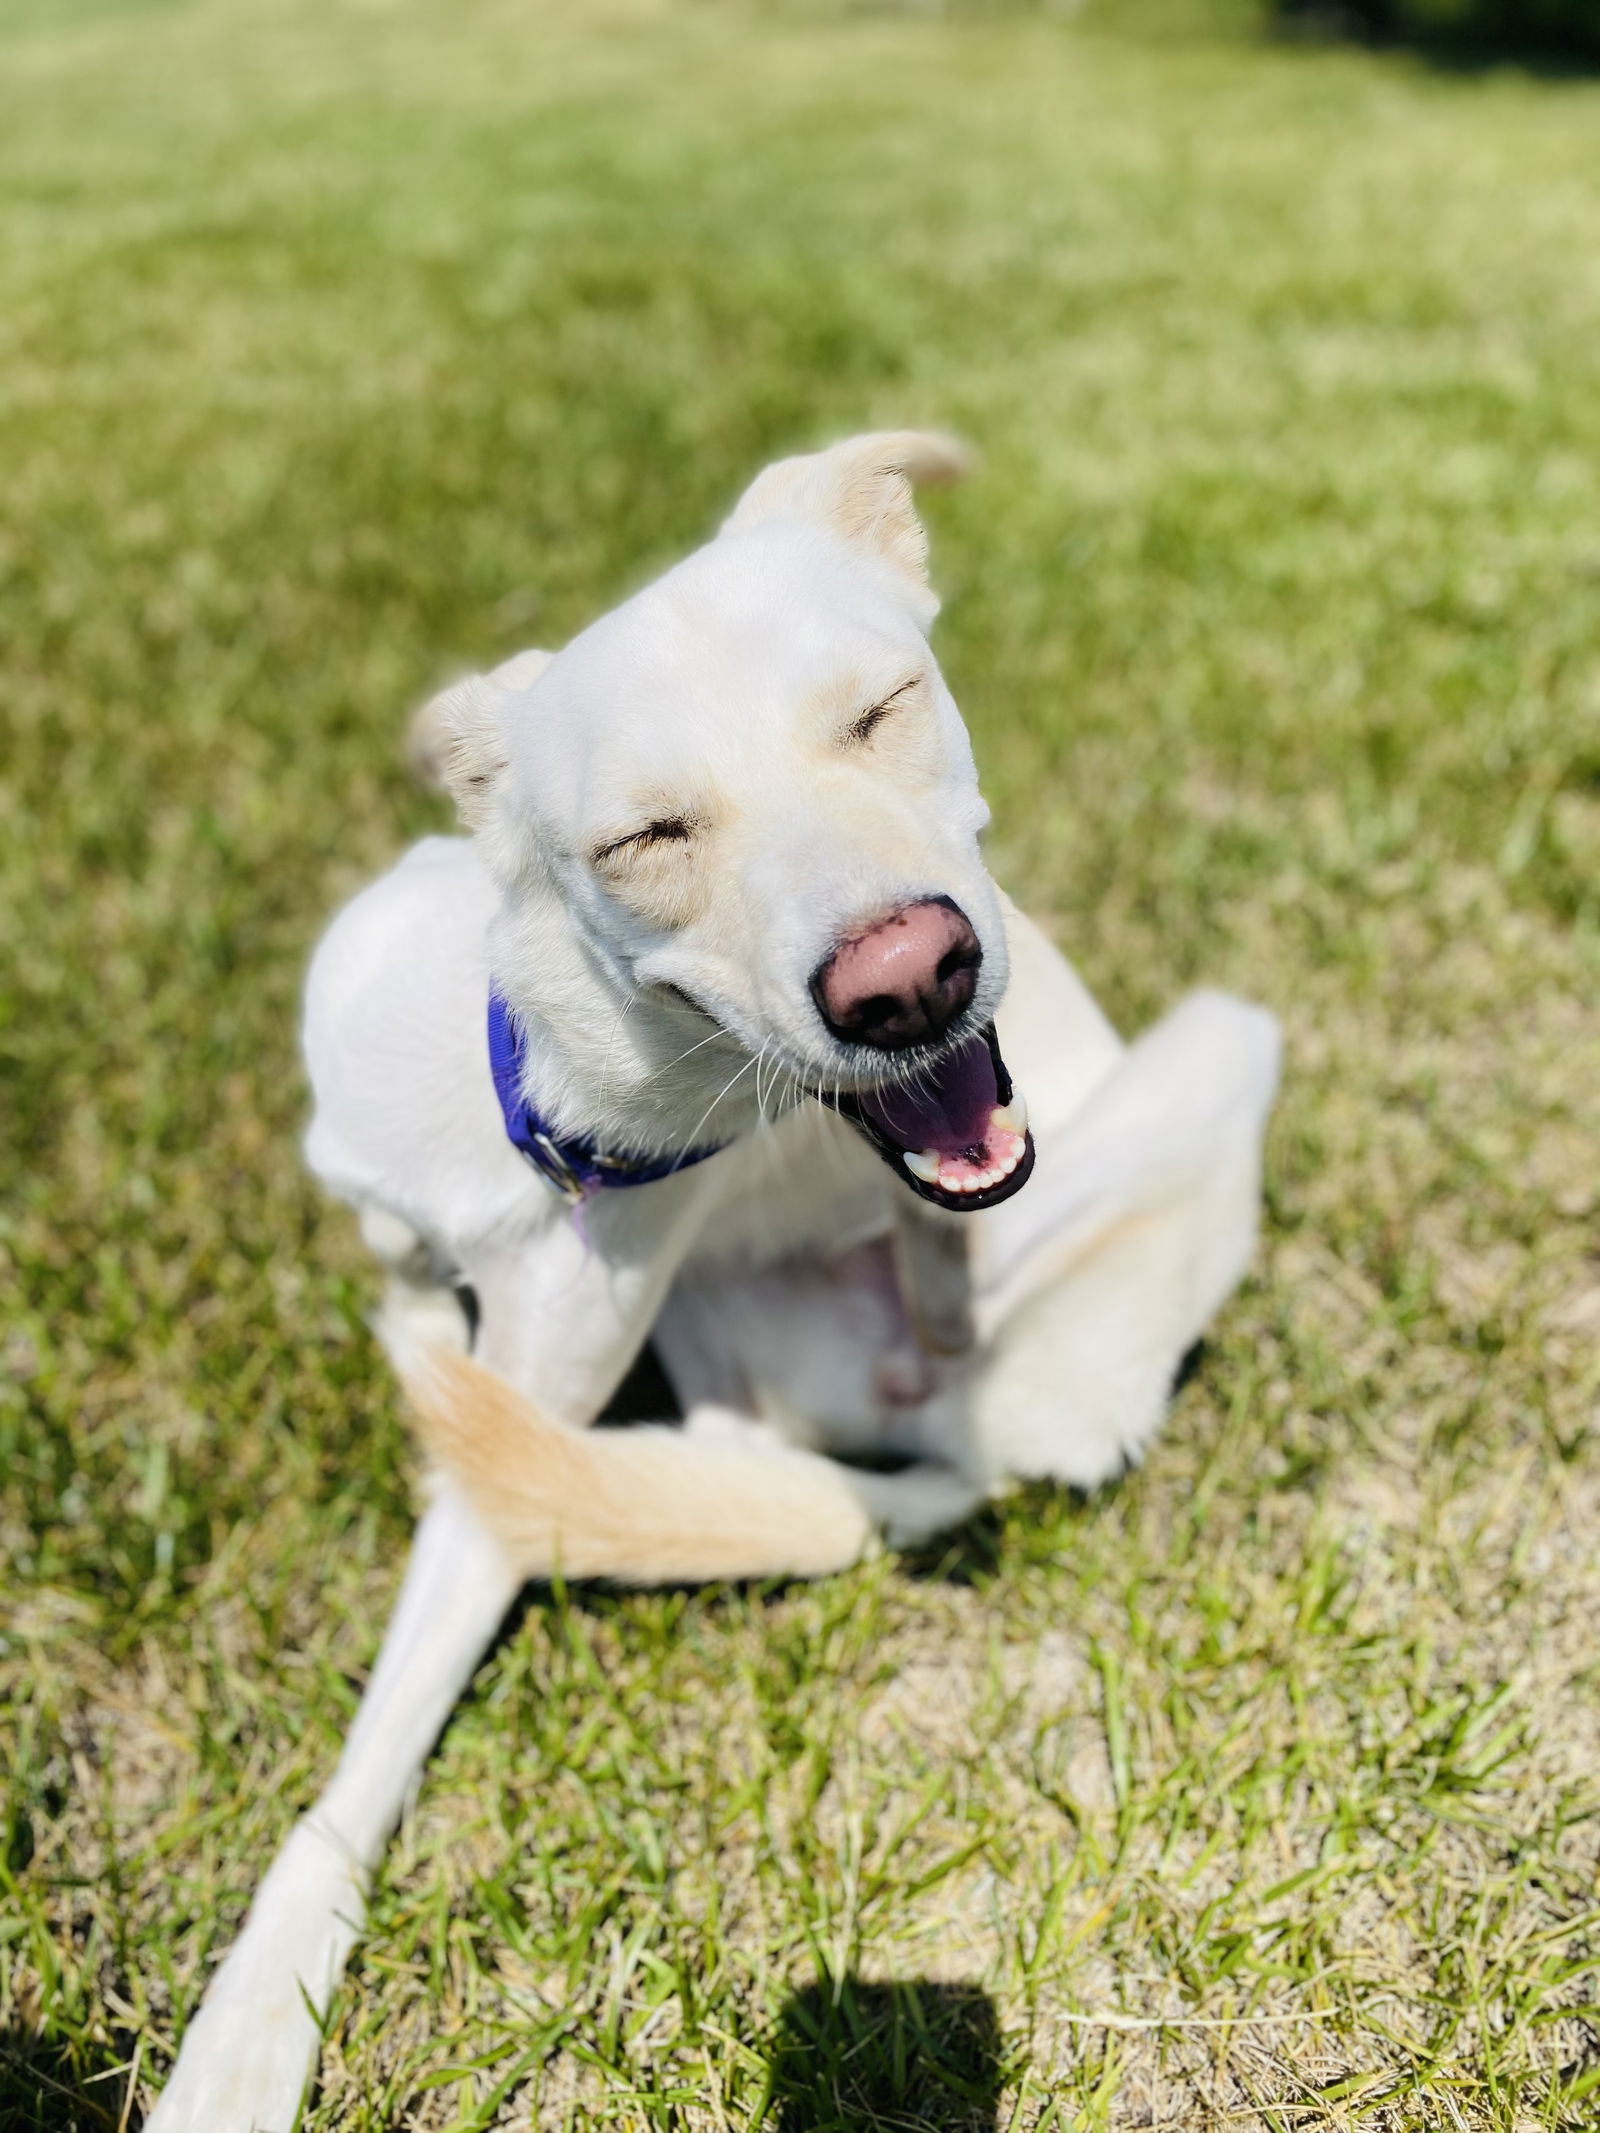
[{"x": 953, "y": 1132}]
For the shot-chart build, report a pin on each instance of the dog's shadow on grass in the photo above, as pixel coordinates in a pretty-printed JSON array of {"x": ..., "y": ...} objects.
[{"x": 909, "y": 2056}]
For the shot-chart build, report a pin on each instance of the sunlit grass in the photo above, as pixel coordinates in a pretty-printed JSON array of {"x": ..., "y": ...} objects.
[{"x": 342, "y": 345}]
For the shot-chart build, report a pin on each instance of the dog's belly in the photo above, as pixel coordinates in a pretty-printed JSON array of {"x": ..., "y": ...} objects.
[
  {"x": 788, "y": 1309},
  {"x": 818, "y": 1344}
]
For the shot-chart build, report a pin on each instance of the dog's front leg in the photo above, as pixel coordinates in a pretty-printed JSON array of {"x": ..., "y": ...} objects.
[
  {"x": 562, "y": 1317},
  {"x": 251, "y": 2050}
]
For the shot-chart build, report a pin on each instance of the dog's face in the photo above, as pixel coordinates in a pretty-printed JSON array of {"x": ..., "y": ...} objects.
[{"x": 754, "y": 800}]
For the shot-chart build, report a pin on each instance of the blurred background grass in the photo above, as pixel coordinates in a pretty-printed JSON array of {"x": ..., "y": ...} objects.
[{"x": 341, "y": 346}]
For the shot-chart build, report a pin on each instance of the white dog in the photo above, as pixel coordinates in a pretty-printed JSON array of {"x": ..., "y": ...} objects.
[{"x": 708, "y": 1035}]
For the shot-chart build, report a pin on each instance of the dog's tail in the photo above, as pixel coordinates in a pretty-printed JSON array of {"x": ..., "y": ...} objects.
[{"x": 651, "y": 1506}]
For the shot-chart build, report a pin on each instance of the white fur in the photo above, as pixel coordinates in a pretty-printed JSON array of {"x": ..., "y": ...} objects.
[{"x": 664, "y": 990}]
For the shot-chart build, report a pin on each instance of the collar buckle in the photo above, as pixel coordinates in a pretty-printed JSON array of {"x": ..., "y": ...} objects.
[
  {"x": 553, "y": 1166},
  {"x": 576, "y": 1169}
]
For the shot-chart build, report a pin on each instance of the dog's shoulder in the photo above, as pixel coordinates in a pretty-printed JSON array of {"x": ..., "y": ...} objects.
[
  {"x": 405, "y": 1115},
  {"x": 402, "y": 953},
  {"x": 432, "y": 907}
]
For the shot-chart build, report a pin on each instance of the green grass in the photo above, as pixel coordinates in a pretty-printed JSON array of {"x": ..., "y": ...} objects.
[{"x": 344, "y": 343}]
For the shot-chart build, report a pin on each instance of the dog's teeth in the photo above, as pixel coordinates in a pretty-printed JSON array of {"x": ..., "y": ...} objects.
[
  {"x": 924, "y": 1166},
  {"x": 1011, "y": 1117}
]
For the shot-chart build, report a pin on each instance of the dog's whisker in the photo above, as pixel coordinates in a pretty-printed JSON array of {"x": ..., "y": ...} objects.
[
  {"x": 611, "y": 1042},
  {"x": 694, "y": 1133},
  {"x": 781, "y": 1088},
  {"x": 667, "y": 1065},
  {"x": 793, "y": 1095},
  {"x": 779, "y": 1093}
]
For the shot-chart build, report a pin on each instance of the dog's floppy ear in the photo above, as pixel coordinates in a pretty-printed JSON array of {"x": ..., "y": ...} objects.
[
  {"x": 457, "y": 741},
  {"x": 861, "y": 490}
]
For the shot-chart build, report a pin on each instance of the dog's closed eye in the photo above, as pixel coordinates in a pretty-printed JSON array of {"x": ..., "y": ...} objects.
[
  {"x": 670, "y": 829},
  {"x": 866, "y": 723}
]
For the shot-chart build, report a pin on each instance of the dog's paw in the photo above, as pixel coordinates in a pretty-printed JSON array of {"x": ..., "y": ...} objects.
[
  {"x": 251, "y": 2050},
  {"x": 1088, "y": 1432},
  {"x": 918, "y": 1502},
  {"x": 1085, "y": 1459},
  {"x": 244, "y": 2067}
]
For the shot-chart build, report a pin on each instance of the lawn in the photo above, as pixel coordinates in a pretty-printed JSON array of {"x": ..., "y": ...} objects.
[{"x": 344, "y": 343}]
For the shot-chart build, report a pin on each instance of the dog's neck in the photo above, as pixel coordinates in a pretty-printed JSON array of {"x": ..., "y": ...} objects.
[{"x": 634, "y": 1071}]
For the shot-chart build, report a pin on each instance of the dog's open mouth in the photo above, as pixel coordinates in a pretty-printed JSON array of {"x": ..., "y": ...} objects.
[{"x": 958, "y": 1135}]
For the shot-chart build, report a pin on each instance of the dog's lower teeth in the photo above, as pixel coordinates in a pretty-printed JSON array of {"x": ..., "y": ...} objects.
[
  {"x": 1011, "y": 1117},
  {"x": 927, "y": 1164}
]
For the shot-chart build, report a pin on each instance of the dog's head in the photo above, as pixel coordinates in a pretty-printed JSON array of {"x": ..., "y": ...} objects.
[{"x": 754, "y": 800}]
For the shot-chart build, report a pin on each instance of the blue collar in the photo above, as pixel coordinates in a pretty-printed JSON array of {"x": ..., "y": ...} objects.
[{"x": 574, "y": 1166}]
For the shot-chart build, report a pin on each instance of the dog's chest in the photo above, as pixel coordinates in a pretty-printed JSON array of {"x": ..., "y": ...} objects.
[{"x": 807, "y": 1183}]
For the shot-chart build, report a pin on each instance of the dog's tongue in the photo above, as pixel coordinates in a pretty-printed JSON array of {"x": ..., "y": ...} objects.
[
  {"x": 950, "y": 1126},
  {"x": 949, "y": 1108}
]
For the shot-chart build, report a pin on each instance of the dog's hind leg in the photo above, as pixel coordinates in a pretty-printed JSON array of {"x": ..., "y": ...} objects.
[
  {"x": 251, "y": 2050},
  {"x": 1138, "y": 1221}
]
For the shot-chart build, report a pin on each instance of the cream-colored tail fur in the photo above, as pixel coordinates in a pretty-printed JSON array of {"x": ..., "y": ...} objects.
[{"x": 650, "y": 1506}]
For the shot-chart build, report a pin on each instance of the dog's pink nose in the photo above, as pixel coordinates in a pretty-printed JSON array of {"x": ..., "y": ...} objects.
[{"x": 903, "y": 981}]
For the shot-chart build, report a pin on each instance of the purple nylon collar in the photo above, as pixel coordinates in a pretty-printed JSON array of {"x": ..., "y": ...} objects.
[{"x": 575, "y": 1167}]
